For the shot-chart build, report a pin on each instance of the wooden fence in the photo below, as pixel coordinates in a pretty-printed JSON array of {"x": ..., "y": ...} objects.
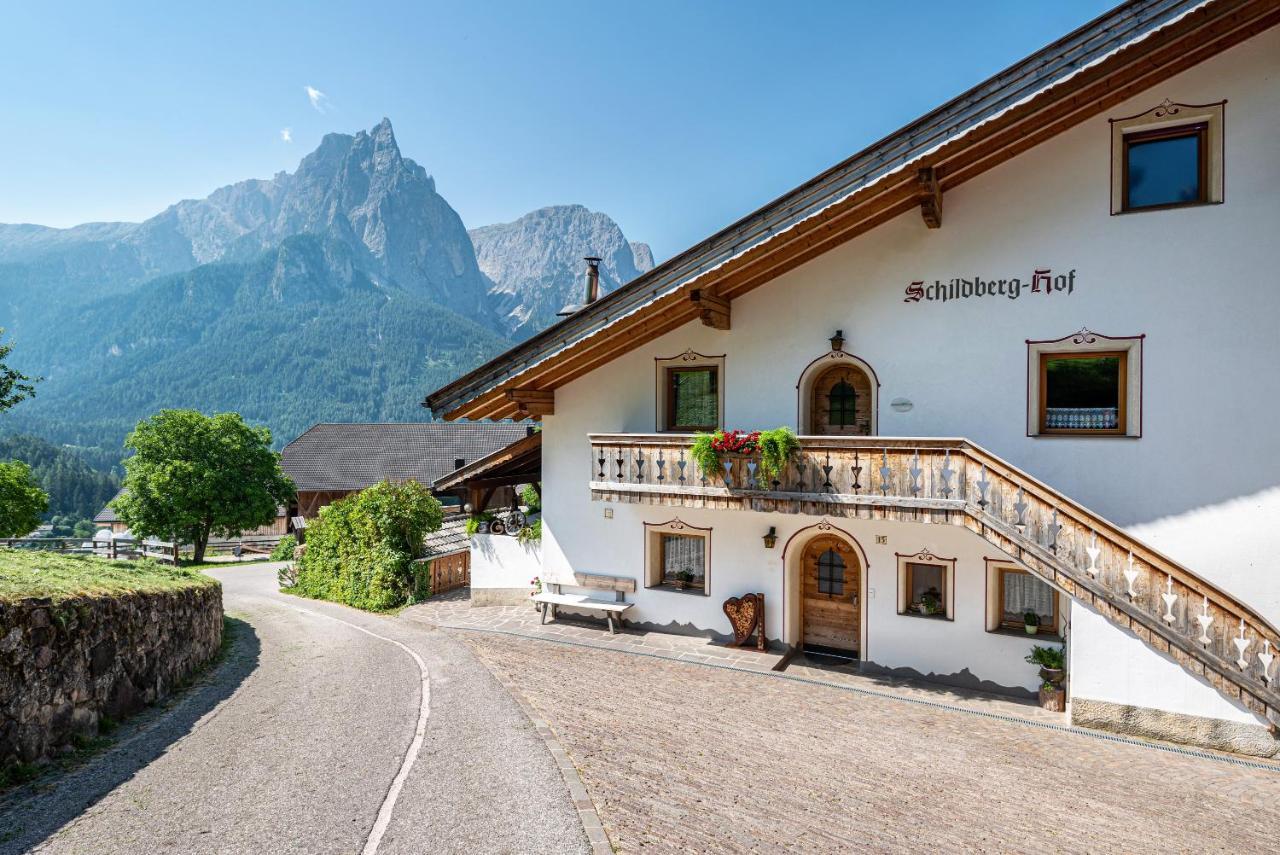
[
  {"x": 448, "y": 572},
  {"x": 127, "y": 549}
]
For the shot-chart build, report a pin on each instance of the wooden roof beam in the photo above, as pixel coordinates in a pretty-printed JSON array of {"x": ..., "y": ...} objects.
[
  {"x": 713, "y": 310},
  {"x": 533, "y": 403},
  {"x": 930, "y": 197}
]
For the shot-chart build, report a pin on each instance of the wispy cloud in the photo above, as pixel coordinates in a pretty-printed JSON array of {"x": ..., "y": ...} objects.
[
  {"x": 286, "y": 134},
  {"x": 318, "y": 99}
]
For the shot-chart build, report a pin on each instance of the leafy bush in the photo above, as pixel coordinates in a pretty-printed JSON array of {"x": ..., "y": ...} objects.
[
  {"x": 473, "y": 522},
  {"x": 531, "y": 533},
  {"x": 360, "y": 549},
  {"x": 529, "y": 497},
  {"x": 284, "y": 549}
]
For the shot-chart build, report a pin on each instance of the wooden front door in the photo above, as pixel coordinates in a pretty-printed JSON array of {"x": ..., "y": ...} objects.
[{"x": 830, "y": 584}]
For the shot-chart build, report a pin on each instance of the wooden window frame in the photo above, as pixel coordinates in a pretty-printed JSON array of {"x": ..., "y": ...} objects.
[
  {"x": 664, "y": 391},
  {"x": 948, "y": 567},
  {"x": 849, "y": 409},
  {"x": 653, "y": 533},
  {"x": 1003, "y": 623},
  {"x": 1121, "y": 428},
  {"x": 1199, "y": 130},
  {"x": 1165, "y": 120},
  {"x": 669, "y": 373}
]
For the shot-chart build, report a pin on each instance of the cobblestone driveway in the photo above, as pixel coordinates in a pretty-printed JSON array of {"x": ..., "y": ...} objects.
[{"x": 684, "y": 758}]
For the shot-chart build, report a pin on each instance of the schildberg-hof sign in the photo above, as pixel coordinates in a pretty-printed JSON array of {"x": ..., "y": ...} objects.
[{"x": 1043, "y": 281}]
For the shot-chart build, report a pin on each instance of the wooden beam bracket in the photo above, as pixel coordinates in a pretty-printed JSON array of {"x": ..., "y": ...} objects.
[
  {"x": 930, "y": 197},
  {"x": 533, "y": 403},
  {"x": 714, "y": 311}
]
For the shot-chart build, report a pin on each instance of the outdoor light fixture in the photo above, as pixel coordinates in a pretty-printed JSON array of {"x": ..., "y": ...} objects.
[
  {"x": 837, "y": 340},
  {"x": 771, "y": 538}
]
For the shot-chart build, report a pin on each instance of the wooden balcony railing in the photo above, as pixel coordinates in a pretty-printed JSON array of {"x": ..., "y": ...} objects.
[{"x": 953, "y": 481}]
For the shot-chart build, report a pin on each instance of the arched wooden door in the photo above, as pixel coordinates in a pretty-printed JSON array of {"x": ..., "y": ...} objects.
[
  {"x": 841, "y": 402},
  {"x": 830, "y": 582}
]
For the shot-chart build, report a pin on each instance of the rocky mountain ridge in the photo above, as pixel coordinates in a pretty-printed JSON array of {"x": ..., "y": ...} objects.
[
  {"x": 344, "y": 290},
  {"x": 534, "y": 264}
]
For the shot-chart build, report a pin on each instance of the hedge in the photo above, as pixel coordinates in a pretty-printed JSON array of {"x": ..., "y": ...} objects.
[{"x": 360, "y": 549}]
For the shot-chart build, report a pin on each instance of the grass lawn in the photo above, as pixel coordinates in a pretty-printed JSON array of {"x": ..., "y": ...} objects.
[{"x": 30, "y": 573}]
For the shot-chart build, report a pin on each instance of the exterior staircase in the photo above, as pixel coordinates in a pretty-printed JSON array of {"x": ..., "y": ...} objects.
[{"x": 953, "y": 481}]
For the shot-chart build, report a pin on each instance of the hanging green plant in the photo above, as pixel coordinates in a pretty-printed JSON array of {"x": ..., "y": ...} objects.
[
  {"x": 773, "y": 448},
  {"x": 776, "y": 449}
]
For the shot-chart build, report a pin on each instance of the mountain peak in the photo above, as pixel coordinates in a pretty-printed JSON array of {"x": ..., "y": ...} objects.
[{"x": 535, "y": 262}]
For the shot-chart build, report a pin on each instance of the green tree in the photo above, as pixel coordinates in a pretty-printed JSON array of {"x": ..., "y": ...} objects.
[
  {"x": 15, "y": 386},
  {"x": 22, "y": 502},
  {"x": 193, "y": 475}
]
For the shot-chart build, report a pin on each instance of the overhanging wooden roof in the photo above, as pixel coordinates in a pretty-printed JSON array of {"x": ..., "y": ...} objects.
[
  {"x": 1108, "y": 60},
  {"x": 518, "y": 463}
]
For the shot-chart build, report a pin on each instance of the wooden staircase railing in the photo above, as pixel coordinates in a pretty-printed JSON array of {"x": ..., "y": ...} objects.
[{"x": 953, "y": 481}]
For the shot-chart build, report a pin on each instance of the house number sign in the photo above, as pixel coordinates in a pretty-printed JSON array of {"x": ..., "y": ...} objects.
[{"x": 1043, "y": 281}]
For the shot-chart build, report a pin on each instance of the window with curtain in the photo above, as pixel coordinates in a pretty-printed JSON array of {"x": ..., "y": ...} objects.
[
  {"x": 831, "y": 573},
  {"x": 1083, "y": 392},
  {"x": 683, "y": 559},
  {"x": 841, "y": 404},
  {"x": 1020, "y": 593}
]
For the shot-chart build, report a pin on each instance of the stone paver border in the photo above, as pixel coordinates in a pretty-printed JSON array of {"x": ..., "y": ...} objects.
[
  {"x": 782, "y": 675},
  {"x": 587, "y": 813}
]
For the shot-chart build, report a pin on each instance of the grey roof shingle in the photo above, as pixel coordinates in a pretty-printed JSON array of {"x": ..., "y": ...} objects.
[
  {"x": 332, "y": 456},
  {"x": 450, "y": 537},
  {"x": 108, "y": 514}
]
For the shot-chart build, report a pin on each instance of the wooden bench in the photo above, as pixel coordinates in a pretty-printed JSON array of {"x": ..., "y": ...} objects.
[{"x": 613, "y": 609}]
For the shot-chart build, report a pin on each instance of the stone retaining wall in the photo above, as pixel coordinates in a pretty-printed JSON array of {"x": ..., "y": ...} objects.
[{"x": 65, "y": 665}]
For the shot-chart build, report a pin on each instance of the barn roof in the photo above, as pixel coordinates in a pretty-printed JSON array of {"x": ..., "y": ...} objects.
[
  {"x": 334, "y": 456},
  {"x": 1108, "y": 60}
]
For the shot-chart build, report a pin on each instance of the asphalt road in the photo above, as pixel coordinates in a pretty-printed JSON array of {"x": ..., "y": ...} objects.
[{"x": 296, "y": 740}]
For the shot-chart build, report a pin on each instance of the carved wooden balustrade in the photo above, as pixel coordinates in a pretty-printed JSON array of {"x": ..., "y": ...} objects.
[{"x": 953, "y": 481}]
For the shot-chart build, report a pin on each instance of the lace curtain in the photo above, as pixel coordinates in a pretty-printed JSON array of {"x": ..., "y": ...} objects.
[
  {"x": 682, "y": 552},
  {"x": 1025, "y": 593}
]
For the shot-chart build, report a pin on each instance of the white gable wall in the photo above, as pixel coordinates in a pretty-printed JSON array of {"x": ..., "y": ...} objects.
[{"x": 1202, "y": 483}]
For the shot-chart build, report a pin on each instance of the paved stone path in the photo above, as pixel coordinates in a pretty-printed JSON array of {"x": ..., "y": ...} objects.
[
  {"x": 687, "y": 758},
  {"x": 292, "y": 744},
  {"x": 453, "y": 611}
]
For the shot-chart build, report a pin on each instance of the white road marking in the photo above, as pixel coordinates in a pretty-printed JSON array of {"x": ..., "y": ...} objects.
[{"x": 424, "y": 710}]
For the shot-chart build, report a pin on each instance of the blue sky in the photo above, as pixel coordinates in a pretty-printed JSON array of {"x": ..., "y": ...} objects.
[{"x": 675, "y": 118}]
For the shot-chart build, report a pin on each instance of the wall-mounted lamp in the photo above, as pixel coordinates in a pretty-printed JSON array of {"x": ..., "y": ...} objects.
[
  {"x": 837, "y": 340},
  {"x": 771, "y": 538}
]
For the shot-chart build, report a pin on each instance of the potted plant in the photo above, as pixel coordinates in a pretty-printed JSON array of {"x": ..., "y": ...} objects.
[
  {"x": 930, "y": 602},
  {"x": 1052, "y": 672},
  {"x": 772, "y": 448},
  {"x": 1031, "y": 620},
  {"x": 684, "y": 579},
  {"x": 1053, "y": 697},
  {"x": 536, "y": 582}
]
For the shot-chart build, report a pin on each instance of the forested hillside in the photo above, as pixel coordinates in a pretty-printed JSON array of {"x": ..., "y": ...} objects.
[
  {"x": 344, "y": 291},
  {"x": 294, "y": 337}
]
